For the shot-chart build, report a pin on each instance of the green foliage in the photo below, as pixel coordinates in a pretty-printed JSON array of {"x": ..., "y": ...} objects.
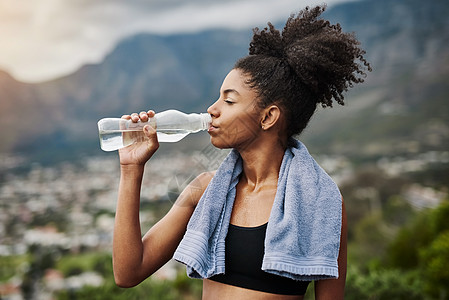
[
  {"x": 188, "y": 286},
  {"x": 435, "y": 265},
  {"x": 439, "y": 219},
  {"x": 310, "y": 293},
  {"x": 51, "y": 217},
  {"x": 424, "y": 246},
  {"x": 369, "y": 239},
  {"x": 397, "y": 211},
  {"x": 41, "y": 259},
  {"x": 383, "y": 284},
  {"x": 180, "y": 288},
  {"x": 76, "y": 264},
  {"x": 403, "y": 251},
  {"x": 10, "y": 265},
  {"x": 425, "y": 228}
]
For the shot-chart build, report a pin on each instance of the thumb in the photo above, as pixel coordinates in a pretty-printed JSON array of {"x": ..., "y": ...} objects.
[{"x": 150, "y": 131}]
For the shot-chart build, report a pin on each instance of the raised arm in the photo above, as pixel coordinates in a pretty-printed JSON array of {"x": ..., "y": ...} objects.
[
  {"x": 135, "y": 258},
  {"x": 334, "y": 289}
]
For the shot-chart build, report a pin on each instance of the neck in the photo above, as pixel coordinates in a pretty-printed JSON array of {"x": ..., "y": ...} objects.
[{"x": 261, "y": 164}]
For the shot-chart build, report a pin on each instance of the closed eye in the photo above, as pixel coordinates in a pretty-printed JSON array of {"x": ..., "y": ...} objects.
[{"x": 229, "y": 101}]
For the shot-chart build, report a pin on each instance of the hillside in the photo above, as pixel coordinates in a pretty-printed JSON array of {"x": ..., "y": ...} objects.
[{"x": 400, "y": 108}]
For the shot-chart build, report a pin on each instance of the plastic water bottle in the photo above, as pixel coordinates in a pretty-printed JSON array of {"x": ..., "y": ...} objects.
[{"x": 171, "y": 126}]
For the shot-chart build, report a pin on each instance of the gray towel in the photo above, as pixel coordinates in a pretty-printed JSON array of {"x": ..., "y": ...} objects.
[{"x": 303, "y": 234}]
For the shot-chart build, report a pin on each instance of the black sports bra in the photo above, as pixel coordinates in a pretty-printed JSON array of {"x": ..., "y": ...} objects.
[{"x": 243, "y": 262}]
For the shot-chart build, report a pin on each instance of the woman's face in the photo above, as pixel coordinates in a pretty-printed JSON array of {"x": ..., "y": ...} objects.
[{"x": 235, "y": 115}]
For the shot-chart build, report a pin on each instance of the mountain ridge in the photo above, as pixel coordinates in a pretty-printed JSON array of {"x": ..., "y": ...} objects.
[{"x": 406, "y": 42}]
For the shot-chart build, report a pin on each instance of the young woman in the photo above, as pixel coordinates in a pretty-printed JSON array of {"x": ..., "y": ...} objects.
[{"x": 269, "y": 220}]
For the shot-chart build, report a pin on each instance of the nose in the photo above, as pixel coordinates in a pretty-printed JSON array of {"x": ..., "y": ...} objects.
[{"x": 213, "y": 110}]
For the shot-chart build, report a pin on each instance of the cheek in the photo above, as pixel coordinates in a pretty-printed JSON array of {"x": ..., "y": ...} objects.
[{"x": 241, "y": 130}]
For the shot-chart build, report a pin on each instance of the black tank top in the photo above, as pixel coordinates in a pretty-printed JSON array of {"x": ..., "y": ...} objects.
[{"x": 243, "y": 264}]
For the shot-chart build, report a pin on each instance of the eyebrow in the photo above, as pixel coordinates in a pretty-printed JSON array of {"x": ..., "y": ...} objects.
[{"x": 228, "y": 91}]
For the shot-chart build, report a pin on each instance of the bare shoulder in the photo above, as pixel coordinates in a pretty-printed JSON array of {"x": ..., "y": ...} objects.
[
  {"x": 195, "y": 189},
  {"x": 205, "y": 177}
]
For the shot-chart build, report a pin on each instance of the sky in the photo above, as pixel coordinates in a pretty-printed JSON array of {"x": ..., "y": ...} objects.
[{"x": 42, "y": 40}]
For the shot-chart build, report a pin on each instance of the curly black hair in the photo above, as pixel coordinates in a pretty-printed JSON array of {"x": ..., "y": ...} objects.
[{"x": 309, "y": 62}]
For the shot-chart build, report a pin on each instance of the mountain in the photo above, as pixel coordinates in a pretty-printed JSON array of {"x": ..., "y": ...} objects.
[
  {"x": 158, "y": 71},
  {"x": 400, "y": 107},
  {"x": 144, "y": 71},
  {"x": 24, "y": 114}
]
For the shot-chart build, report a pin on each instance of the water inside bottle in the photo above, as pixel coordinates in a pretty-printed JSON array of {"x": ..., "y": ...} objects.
[
  {"x": 111, "y": 140},
  {"x": 171, "y": 136}
]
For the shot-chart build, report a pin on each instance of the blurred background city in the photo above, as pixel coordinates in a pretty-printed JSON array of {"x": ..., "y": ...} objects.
[{"x": 65, "y": 65}]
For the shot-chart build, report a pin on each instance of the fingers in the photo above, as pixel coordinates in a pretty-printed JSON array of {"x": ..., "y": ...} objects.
[
  {"x": 151, "y": 113},
  {"x": 145, "y": 116},
  {"x": 135, "y": 117},
  {"x": 142, "y": 116}
]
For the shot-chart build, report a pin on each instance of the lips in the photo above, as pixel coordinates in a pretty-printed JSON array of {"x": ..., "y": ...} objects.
[{"x": 212, "y": 128}]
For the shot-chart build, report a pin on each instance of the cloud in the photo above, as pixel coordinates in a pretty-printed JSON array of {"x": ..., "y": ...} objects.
[{"x": 44, "y": 39}]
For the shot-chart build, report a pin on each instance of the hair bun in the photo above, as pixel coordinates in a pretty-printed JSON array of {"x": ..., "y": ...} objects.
[
  {"x": 267, "y": 42},
  {"x": 324, "y": 59}
]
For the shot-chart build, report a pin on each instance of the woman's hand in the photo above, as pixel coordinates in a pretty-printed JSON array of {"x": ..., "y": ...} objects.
[{"x": 139, "y": 153}]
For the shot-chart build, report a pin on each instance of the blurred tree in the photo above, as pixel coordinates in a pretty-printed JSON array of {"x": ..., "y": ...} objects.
[
  {"x": 103, "y": 265},
  {"x": 424, "y": 246},
  {"x": 370, "y": 240},
  {"x": 41, "y": 259},
  {"x": 403, "y": 251},
  {"x": 435, "y": 265},
  {"x": 383, "y": 284},
  {"x": 418, "y": 235},
  {"x": 397, "y": 211},
  {"x": 181, "y": 287}
]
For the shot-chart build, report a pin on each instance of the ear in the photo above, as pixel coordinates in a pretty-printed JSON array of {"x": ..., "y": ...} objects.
[{"x": 270, "y": 116}]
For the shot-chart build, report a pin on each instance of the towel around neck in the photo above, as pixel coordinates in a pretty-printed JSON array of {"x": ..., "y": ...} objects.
[{"x": 303, "y": 234}]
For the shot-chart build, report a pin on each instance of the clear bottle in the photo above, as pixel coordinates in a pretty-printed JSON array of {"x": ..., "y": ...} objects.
[{"x": 171, "y": 126}]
